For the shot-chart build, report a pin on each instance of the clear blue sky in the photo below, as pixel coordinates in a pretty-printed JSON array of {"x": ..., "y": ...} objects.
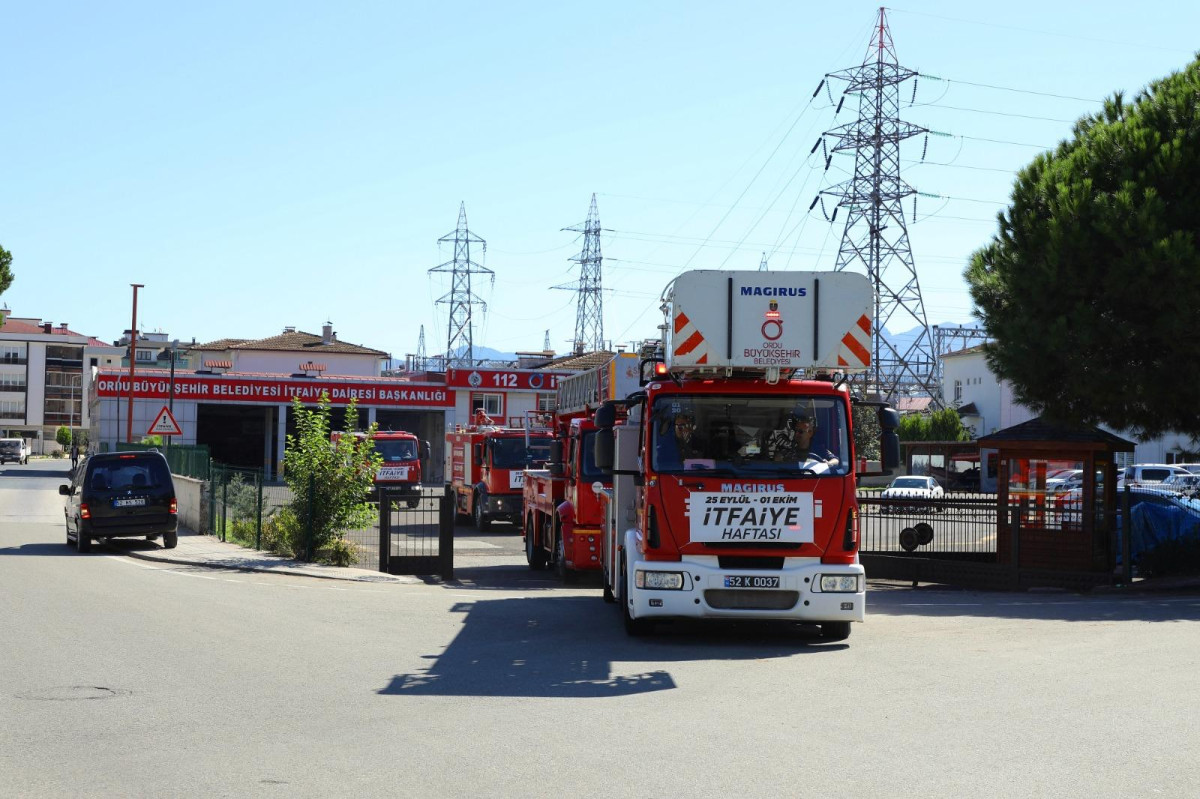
[{"x": 265, "y": 164}]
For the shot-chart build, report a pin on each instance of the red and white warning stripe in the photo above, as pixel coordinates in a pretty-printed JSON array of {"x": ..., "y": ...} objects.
[
  {"x": 689, "y": 343},
  {"x": 855, "y": 351}
]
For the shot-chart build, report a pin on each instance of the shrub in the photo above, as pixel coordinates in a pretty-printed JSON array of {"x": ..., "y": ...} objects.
[{"x": 338, "y": 552}]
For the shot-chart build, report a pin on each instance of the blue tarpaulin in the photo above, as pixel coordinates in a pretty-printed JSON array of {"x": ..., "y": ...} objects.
[{"x": 1155, "y": 524}]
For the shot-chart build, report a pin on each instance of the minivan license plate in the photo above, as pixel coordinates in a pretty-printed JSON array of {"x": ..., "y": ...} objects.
[
  {"x": 750, "y": 581},
  {"x": 129, "y": 502}
]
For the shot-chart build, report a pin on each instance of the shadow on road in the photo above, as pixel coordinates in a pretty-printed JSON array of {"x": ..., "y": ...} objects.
[{"x": 566, "y": 647}]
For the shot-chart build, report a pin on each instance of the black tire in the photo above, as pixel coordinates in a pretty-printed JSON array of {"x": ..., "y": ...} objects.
[
  {"x": 482, "y": 522},
  {"x": 565, "y": 575},
  {"x": 534, "y": 555},
  {"x": 170, "y": 540},
  {"x": 832, "y": 631},
  {"x": 67, "y": 526},
  {"x": 412, "y": 503},
  {"x": 609, "y": 596},
  {"x": 633, "y": 627},
  {"x": 83, "y": 542}
]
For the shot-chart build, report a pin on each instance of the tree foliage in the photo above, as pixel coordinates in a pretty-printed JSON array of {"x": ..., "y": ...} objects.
[
  {"x": 6, "y": 275},
  {"x": 1092, "y": 283},
  {"x": 943, "y": 425},
  {"x": 63, "y": 436},
  {"x": 329, "y": 480},
  {"x": 866, "y": 431}
]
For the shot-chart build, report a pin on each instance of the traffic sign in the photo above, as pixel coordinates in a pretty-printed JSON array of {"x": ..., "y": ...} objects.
[{"x": 165, "y": 424}]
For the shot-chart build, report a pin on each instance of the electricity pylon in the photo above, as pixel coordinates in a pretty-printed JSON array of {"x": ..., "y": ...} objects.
[
  {"x": 876, "y": 237},
  {"x": 589, "y": 310},
  {"x": 459, "y": 345}
]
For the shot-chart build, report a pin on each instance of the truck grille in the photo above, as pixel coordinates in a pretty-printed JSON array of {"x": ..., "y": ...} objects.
[
  {"x": 744, "y": 562},
  {"x": 750, "y": 599}
]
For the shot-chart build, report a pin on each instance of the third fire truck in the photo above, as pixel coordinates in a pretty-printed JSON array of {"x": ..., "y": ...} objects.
[
  {"x": 563, "y": 515},
  {"x": 734, "y": 465}
]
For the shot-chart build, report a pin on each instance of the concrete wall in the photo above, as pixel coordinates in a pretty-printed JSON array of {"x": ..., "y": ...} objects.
[{"x": 192, "y": 496}]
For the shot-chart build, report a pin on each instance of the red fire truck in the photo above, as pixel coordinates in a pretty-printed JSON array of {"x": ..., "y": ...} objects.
[
  {"x": 402, "y": 453},
  {"x": 563, "y": 515},
  {"x": 734, "y": 466},
  {"x": 486, "y": 466}
]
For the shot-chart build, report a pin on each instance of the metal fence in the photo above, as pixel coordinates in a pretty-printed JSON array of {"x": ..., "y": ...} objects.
[
  {"x": 187, "y": 460},
  {"x": 956, "y": 523},
  {"x": 247, "y": 510},
  {"x": 417, "y": 540}
]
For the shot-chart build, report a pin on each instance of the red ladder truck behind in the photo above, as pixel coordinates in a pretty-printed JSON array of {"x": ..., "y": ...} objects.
[
  {"x": 754, "y": 515},
  {"x": 485, "y": 466},
  {"x": 563, "y": 515}
]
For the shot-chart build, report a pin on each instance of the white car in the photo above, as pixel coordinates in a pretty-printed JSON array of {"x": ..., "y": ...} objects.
[
  {"x": 913, "y": 487},
  {"x": 1065, "y": 480}
]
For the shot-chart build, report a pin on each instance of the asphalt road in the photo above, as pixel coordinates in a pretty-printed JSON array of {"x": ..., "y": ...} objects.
[{"x": 126, "y": 678}]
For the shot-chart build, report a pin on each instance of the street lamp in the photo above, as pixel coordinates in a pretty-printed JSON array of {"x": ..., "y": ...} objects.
[{"x": 171, "y": 399}]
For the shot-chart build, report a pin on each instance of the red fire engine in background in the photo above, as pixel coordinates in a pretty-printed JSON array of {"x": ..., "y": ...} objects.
[
  {"x": 402, "y": 453},
  {"x": 485, "y": 466},
  {"x": 563, "y": 515}
]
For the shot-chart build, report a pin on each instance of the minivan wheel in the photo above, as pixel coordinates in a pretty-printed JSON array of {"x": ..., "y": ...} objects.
[
  {"x": 170, "y": 540},
  {"x": 83, "y": 542}
]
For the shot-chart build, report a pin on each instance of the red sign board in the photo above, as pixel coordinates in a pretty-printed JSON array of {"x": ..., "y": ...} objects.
[
  {"x": 265, "y": 390},
  {"x": 504, "y": 379}
]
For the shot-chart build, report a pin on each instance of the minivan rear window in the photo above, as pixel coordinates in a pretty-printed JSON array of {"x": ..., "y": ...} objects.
[{"x": 119, "y": 475}]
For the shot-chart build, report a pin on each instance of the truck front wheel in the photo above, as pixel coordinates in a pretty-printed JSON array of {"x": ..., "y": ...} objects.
[
  {"x": 835, "y": 631},
  {"x": 482, "y": 522}
]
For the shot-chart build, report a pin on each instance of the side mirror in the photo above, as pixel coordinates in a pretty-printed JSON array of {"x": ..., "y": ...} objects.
[
  {"x": 889, "y": 418},
  {"x": 604, "y": 449},
  {"x": 606, "y": 416},
  {"x": 64, "y": 490},
  {"x": 425, "y": 450},
  {"x": 889, "y": 450},
  {"x": 556, "y": 451},
  {"x": 557, "y": 468}
]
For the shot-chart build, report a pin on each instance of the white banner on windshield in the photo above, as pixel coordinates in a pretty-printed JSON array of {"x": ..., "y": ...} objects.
[{"x": 734, "y": 517}]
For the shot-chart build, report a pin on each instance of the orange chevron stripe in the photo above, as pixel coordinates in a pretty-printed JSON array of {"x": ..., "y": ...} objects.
[
  {"x": 842, "y": 361},
  {"x": 865, "y": 323},
  {"x": 851, "y": 343},
  {"x": 681, "y": 321},
  {"x": 703, "y": 358},
  {"x": 693, "y": 341}
]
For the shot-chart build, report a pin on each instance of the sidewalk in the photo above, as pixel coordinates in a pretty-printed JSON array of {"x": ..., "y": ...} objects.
[{"x": 205, "y": 550}]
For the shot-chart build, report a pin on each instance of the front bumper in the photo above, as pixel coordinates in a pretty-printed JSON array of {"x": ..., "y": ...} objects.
[{"x": 704, "y": 594}]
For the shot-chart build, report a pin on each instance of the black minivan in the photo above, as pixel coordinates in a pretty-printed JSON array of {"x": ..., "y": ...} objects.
[{"x": 121, "y": 495}]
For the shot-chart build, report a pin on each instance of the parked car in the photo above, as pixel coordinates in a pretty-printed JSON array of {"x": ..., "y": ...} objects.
[
  {"x": 13, "y": 449},
  {"x": 1182, "y": 482},
  {"x": 910, "y": 487},
  {"x": 1150, "y": 473},
  {"x": 1065, "y": 480},
  {"x": 1194, "y": 468},
  {"x": 121, "y": 495}
]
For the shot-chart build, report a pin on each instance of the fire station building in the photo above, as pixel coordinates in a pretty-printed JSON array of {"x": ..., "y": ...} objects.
[{"x": 235, "y": 396}]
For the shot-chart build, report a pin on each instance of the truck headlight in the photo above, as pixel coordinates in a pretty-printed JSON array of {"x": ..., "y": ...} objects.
[
  {"x": 658, "y": 581},
  {"x": 840, "y": 583}
]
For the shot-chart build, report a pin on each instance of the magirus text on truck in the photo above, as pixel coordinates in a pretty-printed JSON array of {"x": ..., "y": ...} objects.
[{"x": 733, "y": 466}]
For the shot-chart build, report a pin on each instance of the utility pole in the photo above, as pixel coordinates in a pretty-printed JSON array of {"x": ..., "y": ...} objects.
[
  {"x": 420, "y": 360},
  {"x": 762, "y": 267},
  {"x": 875, "y": 238},
  {"x": 589, "y": 310},
  {"x": 459, "y": 344},
  {"x": 132, "y": 359}
]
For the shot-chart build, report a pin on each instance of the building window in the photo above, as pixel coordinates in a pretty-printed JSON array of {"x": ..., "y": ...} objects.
[
  {"x": 958, "y": 391},
  {"x": 145, "y": 355},
  {"x": 491, "y": 404},
  {"x": 547, "y": 402},
  {"x": 12, "y": 353},
  {"x": 12, "y": 409}
]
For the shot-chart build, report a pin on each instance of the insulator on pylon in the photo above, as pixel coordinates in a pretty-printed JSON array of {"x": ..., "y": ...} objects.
[
  {"x": 914, "y": 95},
  {"x": 816, "y": 144},
  {"x": 828, "y": 161},
  {"x": 813, "y": 204},
  {"x": 914, "y": 208},
  {"x": 839, "y": 108},
  {"x": 925, "y": 148},
  {"x": 818, "y": 89},
  {"x": 829, "y": 94},
  {"x": 824, "y": 213},
  {"x": 835, "y": 210},
  {"x": 824, "y": 149}
]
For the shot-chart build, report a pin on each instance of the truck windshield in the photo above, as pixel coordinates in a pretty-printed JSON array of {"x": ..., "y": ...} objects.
[
  {"x": 396, "y": 450},
  {"x": 587, "y": 463},
  {"x": 509, "y": 453},
  {"x": 10, "y": 446},
  {"x": 754, "y": 436}
]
